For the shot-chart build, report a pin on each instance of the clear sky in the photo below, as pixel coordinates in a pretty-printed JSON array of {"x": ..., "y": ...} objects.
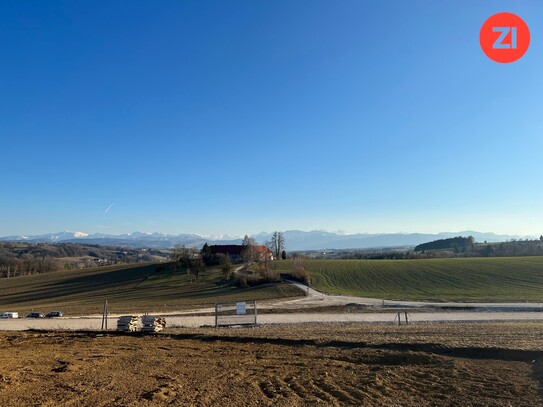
[{"x": 244, "y": 116}]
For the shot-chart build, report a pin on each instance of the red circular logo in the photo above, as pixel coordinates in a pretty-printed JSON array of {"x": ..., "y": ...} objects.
[{"x": 504, "y": 37}]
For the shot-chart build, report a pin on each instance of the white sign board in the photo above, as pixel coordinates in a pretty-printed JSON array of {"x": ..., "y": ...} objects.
[{"x": 241, "y": 308}]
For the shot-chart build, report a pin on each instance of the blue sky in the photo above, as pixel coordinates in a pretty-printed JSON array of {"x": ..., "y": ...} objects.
[{"x": 244, "y": 116}]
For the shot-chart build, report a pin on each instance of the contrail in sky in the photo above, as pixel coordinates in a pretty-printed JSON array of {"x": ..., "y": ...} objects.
[{"x": 109, "y": 207}]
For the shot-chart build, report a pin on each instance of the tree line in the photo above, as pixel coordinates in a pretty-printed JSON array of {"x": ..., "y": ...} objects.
[
  {"x": 511, "y": 248},
  {"x": 21, "y": 258},
  {"x": 457, "y": 242}
]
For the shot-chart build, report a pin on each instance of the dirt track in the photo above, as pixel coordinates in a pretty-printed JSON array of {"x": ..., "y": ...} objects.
[{"x": 354, "y": 364}]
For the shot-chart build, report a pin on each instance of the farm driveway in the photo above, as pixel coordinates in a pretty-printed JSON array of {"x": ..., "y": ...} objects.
[{"x": 316, "y": 298}]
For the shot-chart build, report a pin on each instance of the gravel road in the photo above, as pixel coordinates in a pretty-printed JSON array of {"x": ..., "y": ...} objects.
[
  {"x": 94, "y": 323},
  {"x": 316, "y": 298}
]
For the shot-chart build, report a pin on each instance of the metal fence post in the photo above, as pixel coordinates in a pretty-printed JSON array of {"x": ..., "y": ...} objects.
[{"x": 104, "y": 316}]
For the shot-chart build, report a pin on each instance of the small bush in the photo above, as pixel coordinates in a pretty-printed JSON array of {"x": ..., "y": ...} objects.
[
  {"x": 299, "y": 272},
  {"x": 240, "y": 280},
  {"x": 262, "y": 275},
  {"x": 266, "y": 275}
]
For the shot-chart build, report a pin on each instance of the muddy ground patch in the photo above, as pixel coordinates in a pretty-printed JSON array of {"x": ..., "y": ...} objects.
[{"x": 326, "y": 364}]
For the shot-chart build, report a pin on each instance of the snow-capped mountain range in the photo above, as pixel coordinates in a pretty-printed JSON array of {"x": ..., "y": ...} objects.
[{"x": 294, "y": 239}]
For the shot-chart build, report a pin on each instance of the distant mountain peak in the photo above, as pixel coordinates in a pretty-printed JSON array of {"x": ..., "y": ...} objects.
[{"x": 294, "y": 239}]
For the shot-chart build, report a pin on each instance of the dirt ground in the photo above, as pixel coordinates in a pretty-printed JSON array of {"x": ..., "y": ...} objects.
[{"x": 499, "y": 364}]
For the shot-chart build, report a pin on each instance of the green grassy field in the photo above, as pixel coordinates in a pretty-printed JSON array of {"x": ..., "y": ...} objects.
[
  {"x": 128, "y": 288},
  {"x": 136, "y": 288},
  {"x": 464, "y": 279}
]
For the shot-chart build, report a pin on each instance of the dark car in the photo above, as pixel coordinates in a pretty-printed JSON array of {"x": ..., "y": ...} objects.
[
  {"x": 54, "y": 314},
  {"x": 35, "y": 315}
]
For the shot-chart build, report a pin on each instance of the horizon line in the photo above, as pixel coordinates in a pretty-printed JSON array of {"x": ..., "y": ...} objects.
[{"x": 240, "y": 236}]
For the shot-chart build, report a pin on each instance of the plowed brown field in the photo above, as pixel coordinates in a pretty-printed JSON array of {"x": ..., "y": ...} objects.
[{"x": 327, "y": 364}]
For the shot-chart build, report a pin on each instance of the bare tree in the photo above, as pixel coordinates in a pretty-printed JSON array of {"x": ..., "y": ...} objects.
[
  {"x": 249, "y": 253},
  {"x": 248, "y": 241},
  {"x": 186, "y": 257},
  {"x": 277, "y": 244},
  {"x": 177, "y": 253},
  {"x": 226, "y": 265}
]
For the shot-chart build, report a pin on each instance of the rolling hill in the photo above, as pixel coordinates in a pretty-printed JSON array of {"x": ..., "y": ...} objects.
[{"x": 128, "y": 288}]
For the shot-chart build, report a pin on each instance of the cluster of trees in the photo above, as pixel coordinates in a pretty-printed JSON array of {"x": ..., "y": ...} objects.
[
  {"x": 453, "y": 243},
  {"x": 467, "y": 247},
  {"x": 510, "y": 249},
  {"x": 66, "y": 250},
  {"x": 12, "y": 267},
  {"x": 188, "y": 259}
]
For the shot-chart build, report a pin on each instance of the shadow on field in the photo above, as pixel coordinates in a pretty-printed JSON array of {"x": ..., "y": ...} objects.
[
  {"x": 467, "y": 352},
  {"x": 72, "y": 286},
  {"x": 532, "y": 357},
  {"x": 473, "y": 352},
  {"x": 395, "y": 354},
  {"x": 124, "y": 285}
]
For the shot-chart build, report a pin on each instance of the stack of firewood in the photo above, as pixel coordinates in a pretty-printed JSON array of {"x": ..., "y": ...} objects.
[
  {"x": 152, "y": 323},
  {"x": 128, "y": 323}
]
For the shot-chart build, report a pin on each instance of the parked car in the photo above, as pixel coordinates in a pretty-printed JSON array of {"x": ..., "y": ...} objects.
[
  {"x": 35, "y": 314},
  {"x": 54, "y": 314},
  {"x": 10, "y": 315}
]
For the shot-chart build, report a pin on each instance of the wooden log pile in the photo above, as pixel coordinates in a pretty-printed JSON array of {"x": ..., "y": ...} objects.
[
  {"x": 152, "y": 323},
  {"x": 128, "y": 323}
]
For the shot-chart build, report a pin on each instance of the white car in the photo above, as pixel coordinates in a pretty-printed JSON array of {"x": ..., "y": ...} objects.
[{"x": 10, "y": 315}]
